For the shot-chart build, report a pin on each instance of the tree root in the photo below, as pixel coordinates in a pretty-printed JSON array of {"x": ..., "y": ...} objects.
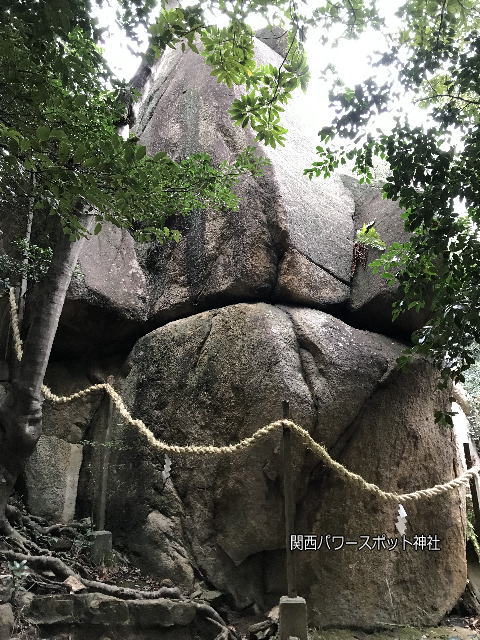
[
  {"x": 33, "y": 523},
  {"x": 13, "y": 536},
  {"x": 224, "y": 632},
  {"x": 63, "y": 571},
  {"x": 132, "y": 594},
  {"x": 18, "y": 548},
  {"x": 25, "y": 545},
  {"x": 19, "y": 519},
  {"x": 216, "y": 619},
  {"x": 41, "y": 563}
]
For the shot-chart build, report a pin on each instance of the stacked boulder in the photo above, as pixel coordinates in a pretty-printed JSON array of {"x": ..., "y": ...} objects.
[{"x": 251, "y": 308}]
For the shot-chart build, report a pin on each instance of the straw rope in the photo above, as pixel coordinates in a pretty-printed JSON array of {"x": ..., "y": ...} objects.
[
  {"x": 17, "y": 341},
  {"x": 261, "y": 434}
]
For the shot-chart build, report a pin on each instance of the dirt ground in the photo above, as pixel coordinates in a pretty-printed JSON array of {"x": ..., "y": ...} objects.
[{"x": 400, "y": 633}]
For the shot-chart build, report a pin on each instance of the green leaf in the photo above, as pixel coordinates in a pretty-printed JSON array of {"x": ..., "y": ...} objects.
[
  {"x": 80, "y": 152},
  {"x": 140, "y": 152},
  {"x": 58, "y": 134},
  {"x": 43, "y": 133},
  {"x": 63, "y": 151}
]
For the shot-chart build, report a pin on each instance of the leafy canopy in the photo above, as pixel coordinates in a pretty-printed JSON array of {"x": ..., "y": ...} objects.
[
  {"x": 60, "y": 108},
  {"x": 59, "y": 143},
  {"x": 229, "y": 50},
  {"x": 433, "y": 62}
]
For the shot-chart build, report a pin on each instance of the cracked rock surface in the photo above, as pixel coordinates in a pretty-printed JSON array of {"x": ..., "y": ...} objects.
[
  {"x": 218, "y": 376},
  {"x": 291, "y": 236},
  {"x": 249, "y": 309},
  {"x": 291, "y": 241}
]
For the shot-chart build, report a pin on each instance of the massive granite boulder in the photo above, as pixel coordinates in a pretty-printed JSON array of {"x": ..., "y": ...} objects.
[
  {"x": 242, "y": 314},
  {"x": 106, "y": 304},
  {"x": 371, "y": 298},
  {"x": 218, "y": 376},
  {"x": 291, "y": 240}
]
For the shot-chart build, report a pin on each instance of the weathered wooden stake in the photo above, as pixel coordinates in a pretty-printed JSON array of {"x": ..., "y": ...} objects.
[
  {"x": 292, "y": 608},
  {"x": 103, "y": 462},
  {"x": 101, "y": 551},
  {"x": 289, "y": 503}
]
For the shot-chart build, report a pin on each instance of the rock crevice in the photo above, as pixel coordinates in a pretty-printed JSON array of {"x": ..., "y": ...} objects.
[{"x": 251, "y": 308}]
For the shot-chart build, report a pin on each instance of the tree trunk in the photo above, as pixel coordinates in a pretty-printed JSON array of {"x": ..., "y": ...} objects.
[
  {"x": 28, "y": 233},
  {"x": 21, "y": 413}
]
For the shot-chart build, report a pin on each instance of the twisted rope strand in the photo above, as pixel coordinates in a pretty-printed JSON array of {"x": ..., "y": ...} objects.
[
  {"x": 17, "y": 340},
  {"x": 262, "y": 433}
]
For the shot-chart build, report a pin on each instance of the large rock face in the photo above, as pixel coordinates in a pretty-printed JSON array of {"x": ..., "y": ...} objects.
[
  {"x": 290, "y": 241},
  {"x": 271, "y": 246},
  {"x": 245, "y": 313},
  {"x": 52, "y": 478},
  {"x": 107, "y": 301},
  {"x": 218, "y": 376},
  {"x": 371, "y": 298}
]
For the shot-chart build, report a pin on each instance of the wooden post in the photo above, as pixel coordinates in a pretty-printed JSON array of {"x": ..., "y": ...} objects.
[
  {"x": 473, "y": 491},
  {"x": 292, "y": 618},
  {"x": 103, "y": 462},
  {"x": 289, "y": 503}
]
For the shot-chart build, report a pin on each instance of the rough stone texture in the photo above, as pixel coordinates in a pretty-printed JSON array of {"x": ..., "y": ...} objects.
[
  {"x": 276, "y": 38},
  {"x": 51, "y": 477},
  {"x": 218, "y": 376},
  {"x": 101, "y": 551},
  {"x": 290, "y": 241},
  {"x": 92, "y": 615},
  {"x": 397, "y": 446},
  {"x": 292, "y": 618},
  {"x": 6, "y": 621},
  {"x": 73, "y": 480},
  {"x": 111, "y": 273},
  {"x": 159, "y": 544},
  {"x": 107, "y": 300},
  {"x": 371, "y": 298},
  {"x": 301, "y": 281},
  {"x": 235, "y": 255},
  {"x": 69, "y": 421},
  {"x": 6, "y": 591},
  {"x": 52, "y": 474}
]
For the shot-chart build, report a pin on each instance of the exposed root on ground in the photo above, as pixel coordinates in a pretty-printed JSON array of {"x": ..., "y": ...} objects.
[
  {"x": 62, "y": 571},
  {"x": 224, "y": 634},
  {"x": 216, "y": 619},
  {"x": 47, "y": 555}
]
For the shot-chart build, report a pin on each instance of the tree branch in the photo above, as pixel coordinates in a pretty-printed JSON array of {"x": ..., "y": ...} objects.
[
  {"x": 354, "y": 13},
  {"x": 448, "y": 95},
  {"x": 442, "y": 17}
]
